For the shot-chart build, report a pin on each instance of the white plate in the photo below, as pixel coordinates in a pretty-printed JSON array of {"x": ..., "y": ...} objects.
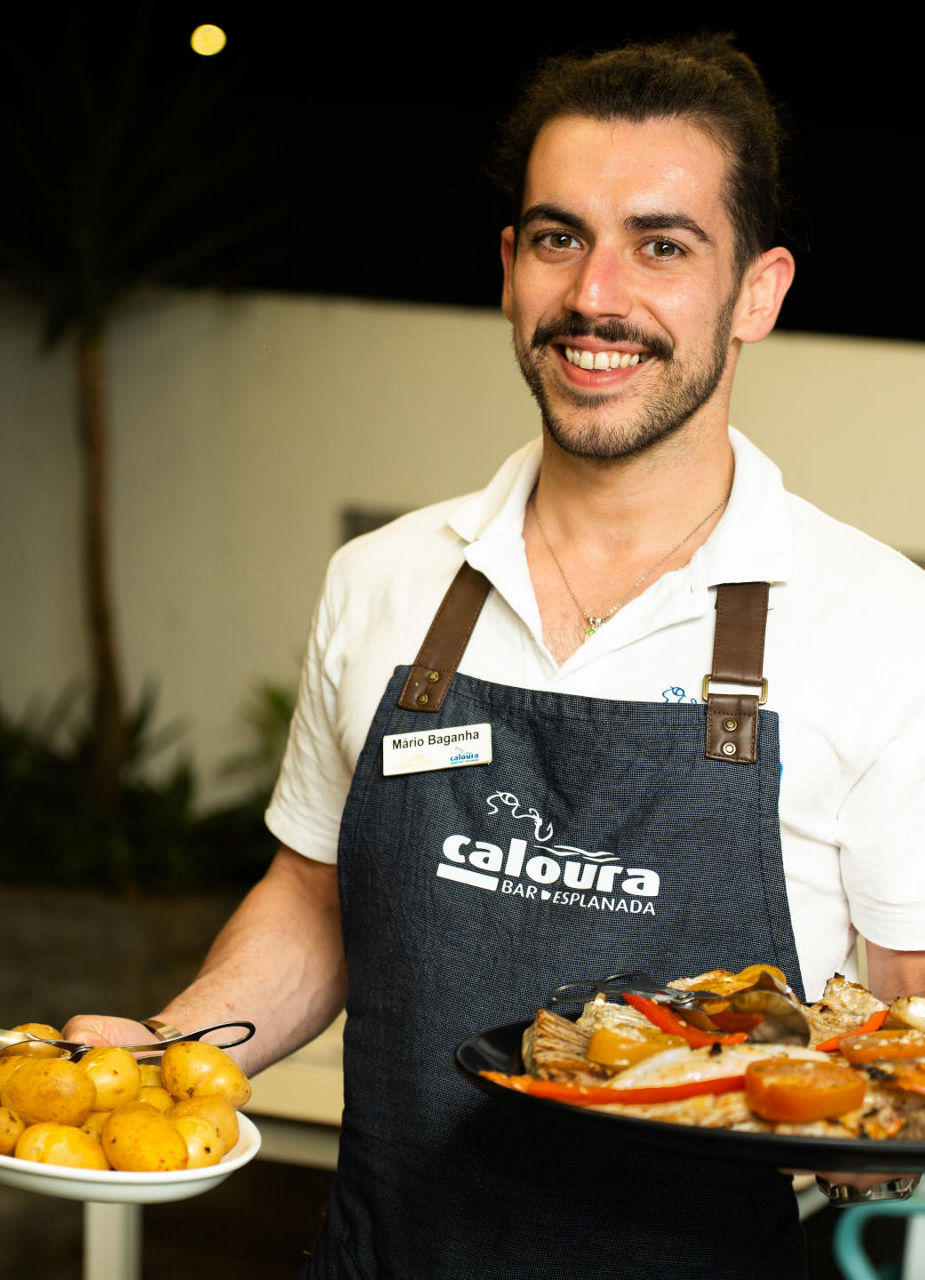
[{"x": 111, "y": 1187}]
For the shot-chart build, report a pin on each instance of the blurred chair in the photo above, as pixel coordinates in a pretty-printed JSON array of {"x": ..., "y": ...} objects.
[{"x": 848, "y": 1244}]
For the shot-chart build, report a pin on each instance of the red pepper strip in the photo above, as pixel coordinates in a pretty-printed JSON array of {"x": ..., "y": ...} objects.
[
  {"x": 873, "y": 1023},
  {"x": 667, "y": 1020},
  {"x": 593, "y": 1095}
]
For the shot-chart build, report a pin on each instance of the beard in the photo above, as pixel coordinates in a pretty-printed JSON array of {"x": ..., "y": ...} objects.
[{"x": 681, "y": 393}]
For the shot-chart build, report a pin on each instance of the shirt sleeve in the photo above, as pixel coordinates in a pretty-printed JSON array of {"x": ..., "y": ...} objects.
[
  {"x": 314, "y": 780},
  {"x": 881, "y": 831}
]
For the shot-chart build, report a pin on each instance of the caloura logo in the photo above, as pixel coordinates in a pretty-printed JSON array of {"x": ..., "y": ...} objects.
[{"x": 565, "y": 874}]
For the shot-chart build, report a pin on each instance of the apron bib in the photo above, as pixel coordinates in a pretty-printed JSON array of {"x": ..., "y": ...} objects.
[{"x": 600, "y": 838}]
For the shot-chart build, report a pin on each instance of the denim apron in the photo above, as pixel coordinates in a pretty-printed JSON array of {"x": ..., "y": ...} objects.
[{"x": 600, "y": 838}]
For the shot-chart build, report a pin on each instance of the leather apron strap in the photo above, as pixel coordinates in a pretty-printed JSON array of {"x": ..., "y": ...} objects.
[
  {"x": 738, "y": 659},
  {"x": 738, "y": 654},
  {"x": 435, "y": 666}
]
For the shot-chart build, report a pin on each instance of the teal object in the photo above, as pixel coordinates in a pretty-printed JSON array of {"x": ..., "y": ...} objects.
[{"x": 848, "y": 1242}]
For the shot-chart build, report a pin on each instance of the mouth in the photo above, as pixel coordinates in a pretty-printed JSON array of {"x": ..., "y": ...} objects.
[
  {"x": 603, "y": 361},
  {"x": 601, "y": 358}
]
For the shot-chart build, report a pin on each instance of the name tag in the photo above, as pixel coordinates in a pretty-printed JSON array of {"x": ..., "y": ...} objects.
[{"x": 449, "y": 748}]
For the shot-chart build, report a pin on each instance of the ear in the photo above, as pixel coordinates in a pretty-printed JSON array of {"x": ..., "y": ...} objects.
[
  {"x": 764, "y": 288},
  {"x": 508, "y": 247}
]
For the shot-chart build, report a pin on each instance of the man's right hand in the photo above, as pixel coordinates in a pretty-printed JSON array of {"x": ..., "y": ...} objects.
[
  {"x": 96, "y": 1029},
  {"x": 278, "y": 962}
]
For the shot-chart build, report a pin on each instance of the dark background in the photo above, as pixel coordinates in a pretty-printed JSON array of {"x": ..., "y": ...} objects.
[{"x": 365, "y": 138}]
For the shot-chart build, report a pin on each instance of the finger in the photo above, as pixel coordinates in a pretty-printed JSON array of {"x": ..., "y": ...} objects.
[
  {"x": 839, "y": 1177},
  {"x": 863, "y": 1181},
  {"x": 96, "y": 1029}
]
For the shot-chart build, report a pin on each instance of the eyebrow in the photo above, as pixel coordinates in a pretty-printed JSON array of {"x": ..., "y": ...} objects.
[
  {"x": 551, "y": 213},
  {"x": 666, "y": 222},
  {"x": 634, "y": 222}
]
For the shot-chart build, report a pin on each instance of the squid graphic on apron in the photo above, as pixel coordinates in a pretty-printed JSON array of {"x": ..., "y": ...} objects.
[{"x": 602, "y": 836}]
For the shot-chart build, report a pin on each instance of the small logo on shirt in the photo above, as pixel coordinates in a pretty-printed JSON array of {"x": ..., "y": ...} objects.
[{"x": 677, "y": 694}]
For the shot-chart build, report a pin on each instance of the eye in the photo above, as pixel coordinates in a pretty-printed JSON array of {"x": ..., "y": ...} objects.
[
  {"x": 558, "y": 241},
  {"x": 664, "y": 250}
]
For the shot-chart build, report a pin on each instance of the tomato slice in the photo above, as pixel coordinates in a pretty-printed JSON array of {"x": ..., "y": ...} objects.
[
  {"x": 726, "y": 1020},
  {"x": 874, "y": 1045},
  {"x": 798, "y": 1091}
]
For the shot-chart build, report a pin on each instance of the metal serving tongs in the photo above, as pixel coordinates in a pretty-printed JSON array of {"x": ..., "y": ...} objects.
[
  {"x": 778, "y": 1017},
  {"x": 75, "y": 1050}
]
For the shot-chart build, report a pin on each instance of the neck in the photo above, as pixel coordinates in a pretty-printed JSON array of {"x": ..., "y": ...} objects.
[
  {"x": 641, "y": 500},
  {"x": 610, "y": 530}
]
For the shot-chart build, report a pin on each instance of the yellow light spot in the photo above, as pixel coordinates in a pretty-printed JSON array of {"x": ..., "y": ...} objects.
[{"x": 208, "y": 39}]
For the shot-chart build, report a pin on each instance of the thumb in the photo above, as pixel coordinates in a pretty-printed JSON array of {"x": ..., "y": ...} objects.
[{"x": 98, "y": 1029}]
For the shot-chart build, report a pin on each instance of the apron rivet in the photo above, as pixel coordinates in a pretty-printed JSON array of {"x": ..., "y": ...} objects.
[
  {"x": 422, "y": 698},
  {"x": 433, "y": 676},
  {"x": 729, "y": 748},
  {"x": 730, "y": 724}
]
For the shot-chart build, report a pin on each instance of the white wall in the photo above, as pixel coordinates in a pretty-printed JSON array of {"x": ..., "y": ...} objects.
[
  {"x": 844, "y": 418},
  {"x": 243, "y": 426}
]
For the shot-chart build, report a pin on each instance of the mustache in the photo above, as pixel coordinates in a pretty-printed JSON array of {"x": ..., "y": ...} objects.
[{"x": 609, "y": 331}]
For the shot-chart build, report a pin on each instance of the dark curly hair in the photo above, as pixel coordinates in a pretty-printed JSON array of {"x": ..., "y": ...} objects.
[{"x": 704, "y": 79}]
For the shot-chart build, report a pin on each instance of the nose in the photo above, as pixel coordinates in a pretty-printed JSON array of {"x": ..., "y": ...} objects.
[{"x": 600, "y": 285}]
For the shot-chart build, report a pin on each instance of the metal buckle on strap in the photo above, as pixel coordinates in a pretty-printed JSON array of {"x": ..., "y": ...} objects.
[{"x": 705, "y": 689}]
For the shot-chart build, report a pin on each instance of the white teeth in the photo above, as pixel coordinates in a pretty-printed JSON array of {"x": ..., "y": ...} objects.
[{"x": 602, "y": 359}]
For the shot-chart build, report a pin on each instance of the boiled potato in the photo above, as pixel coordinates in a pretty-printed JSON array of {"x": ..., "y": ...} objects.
[
  {"x": 150, "y": 1074},
  {"x": 50, "y": 1089},
  {"x": 218, "y": 1110},
  {"x": 50, "y": 1143},
  {"x": 156, "y": 1097},
  {"x": 94, "y": 1124},
  {"x": 138, "y": 1138},
  {"x": 7, "y": 1067},
  {"x": 115, "y": 1074},
  {"x": 204, "y": 1146},
  {"x": 30, "y": 1049},
  {"x": 190, "y": 1068},
  {"x": 11, "y": 1126}
]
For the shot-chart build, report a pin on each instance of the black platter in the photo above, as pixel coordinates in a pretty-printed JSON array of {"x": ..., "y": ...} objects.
[{"x": 499, "y": 1050}]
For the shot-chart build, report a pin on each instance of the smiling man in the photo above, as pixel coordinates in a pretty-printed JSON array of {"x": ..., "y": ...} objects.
[
  {"x": 622, "y": 302},
  {"x": 629, "y": 303},
  {"x": 540, "y": 794}
]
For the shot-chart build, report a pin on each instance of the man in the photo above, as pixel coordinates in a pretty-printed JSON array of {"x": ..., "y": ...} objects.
[{"x": 564, "y": 806}]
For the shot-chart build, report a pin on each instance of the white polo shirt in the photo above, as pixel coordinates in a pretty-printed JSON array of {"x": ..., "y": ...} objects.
[{"x": 844, "y": 659}]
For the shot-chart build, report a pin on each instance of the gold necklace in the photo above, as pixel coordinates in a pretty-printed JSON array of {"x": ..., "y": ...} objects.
[{"x": 594, "y": 622}]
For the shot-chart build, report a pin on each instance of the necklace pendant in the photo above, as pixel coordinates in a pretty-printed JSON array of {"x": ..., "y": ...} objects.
[{"x": 593, "y": 624}]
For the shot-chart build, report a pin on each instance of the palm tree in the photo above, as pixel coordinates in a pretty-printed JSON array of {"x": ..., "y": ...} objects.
[{"x": 125, "y": 164}]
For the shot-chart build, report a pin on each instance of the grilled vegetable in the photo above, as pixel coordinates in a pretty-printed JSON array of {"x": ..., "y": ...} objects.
[
  {"x": 793, "y": 1091},
  {"x": 874, "y": 1023},
  {"x": 668, "y": 1021},
  {"x": 585, "y": 1095},
  {"x": 875, "y": 1045}
]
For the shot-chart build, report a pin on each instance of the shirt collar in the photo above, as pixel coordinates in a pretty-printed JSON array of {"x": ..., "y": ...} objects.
[
  {"x": 498, "y": 510},
  {"x": 752, "y": 542}
]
